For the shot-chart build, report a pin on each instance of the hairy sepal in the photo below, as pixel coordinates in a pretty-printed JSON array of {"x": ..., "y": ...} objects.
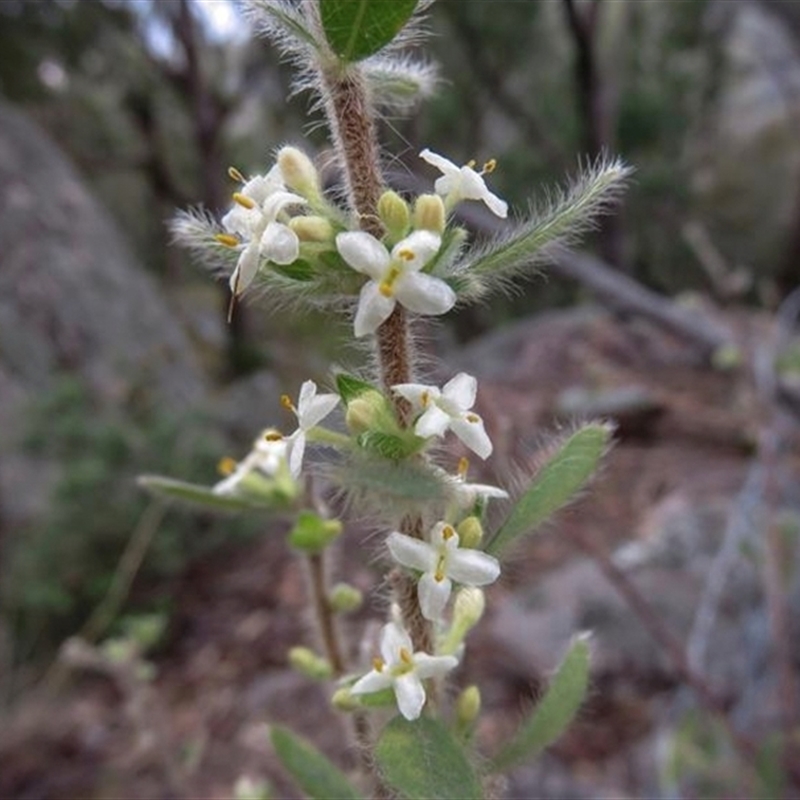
[{"x": 399, "y": 83}]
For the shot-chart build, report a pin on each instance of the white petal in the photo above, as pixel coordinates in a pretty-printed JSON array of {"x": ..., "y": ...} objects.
[
  {"x": 433, "y": 595},
  {"x": 280, "y": 244},
  {"x": 411, "y": 552},
  {"x": 415, "y": 392},
  {"x": 317, "y": 409},
  {"x": 428, "y": 666},
  {"x": 410, "y": 694},
  {"x": 437, "y": 539},
  {"x": 461, "y": 390},
  {"x": 495, "y": 204},
  {"x": 240, "y": 220},
  {"x": 472, "y": 567},
  {"x": 372, "y": 682},
  {"x": 423, "y": 245},
  {"x": 473, "y": 434},
  {"x": 373, "y": 309},
  {"x": 393, "y": 640},
  {"x": 472, "y": 185},
  {"x": 296, "y": 449},
  {"x": 440, "y": 162},
  {"x": 424, "y": 294},
  {"x": 277, "y": 201},
  {"x": 364, "y": 253},
  {"x": 434, "y": 422},
  {"x": 246, "y": 269}
]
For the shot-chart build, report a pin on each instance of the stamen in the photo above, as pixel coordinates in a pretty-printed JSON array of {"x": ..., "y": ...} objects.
[
  {"x": 471, "y": 163},
  {"x": 244, "y": 201},
  {"x": 273, "y": 436},
  {"x": 235, "y": 175},
  {"x": 378, "y": 664},
  {"x": 489, "y": 167},
  {"x": 226, "y": 466},
  {"x": 474, "y": 418},
  {"x": 385, "y": 289},
  {"x": 405, "y": 657},
  {"x": 287, "y": 403},
  {"x": 226, "y": 239},
  {"x": 448, "y": 532},
  {"x": 406, "y": 254},
  {"x": 439, "y": 576},
  {"x": 425, "y": 398},
  {"x": 463, "y": 467}
]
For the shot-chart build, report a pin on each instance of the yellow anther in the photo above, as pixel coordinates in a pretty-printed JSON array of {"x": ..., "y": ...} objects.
[
  {"x": 226, "y": 239},
  {"x": 448, "y": 532},
  {"x": 463, "y": 467},
  {"x": 243, "y": 200},
  {"x": 378, "y": 664},
  {"x": 273, "y": 436},
  {"x": 287, "y": 403},
  {"x": 489, "y": 166},
  {"x": 385, "y": 289},
  {"x": 425, "y": 398},
  {"x": 471, "y": 163},
  {"x": 439, "y": 575},
  {"x": 473, "y": 418},
  {"x": 406, "y": 254},
  {"x": 226, "y": 466},
  {"x": 235, "y": 175},
  {"x": 405, "y": 657}
]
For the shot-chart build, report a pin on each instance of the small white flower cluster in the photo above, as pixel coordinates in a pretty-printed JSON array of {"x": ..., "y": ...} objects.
[{"x": 260, "y": 226}]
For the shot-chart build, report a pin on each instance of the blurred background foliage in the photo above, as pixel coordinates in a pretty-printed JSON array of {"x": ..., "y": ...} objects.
[{"x": 153, "y": 99}]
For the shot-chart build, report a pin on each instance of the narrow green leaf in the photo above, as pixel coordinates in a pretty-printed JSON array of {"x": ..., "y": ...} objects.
[
  {"x": 349, "y": 387},
  {"x": 555, "y": 711},
  {"x": 356, "y": 29},
  {"x": 422, "y": 760},
  {"x": 555, "y": 484},
  {"x": 387, "y": 445},
  {"x": 195, "y": 493},
  {"x": 314, "y": 774}
]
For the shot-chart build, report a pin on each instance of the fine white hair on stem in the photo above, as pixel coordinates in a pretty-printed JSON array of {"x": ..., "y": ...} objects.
[{"x": 561, "y": 219}]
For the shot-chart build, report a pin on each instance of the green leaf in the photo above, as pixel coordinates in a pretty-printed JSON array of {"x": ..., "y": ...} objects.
[
  {"x": 555, "y": 484},
  {"x": 387, "y": 445},
  {"x": 356, "y": 29},
  {"x": 314, "y": 774},
  {"x": 298, "y": 270},
  {"x": 350, "y": 387},
  {"x": 554, "y": 713},
  {"x": 201, "y": 495},
  {"x": 422, "y": 759}
]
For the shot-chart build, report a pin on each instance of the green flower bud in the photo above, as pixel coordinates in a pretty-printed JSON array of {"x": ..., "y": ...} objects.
[
  {"x": 308, "y": 663},
  {"x": 394, "y": 214},
  {"x": 312, "y": 228},
  {"x": 313, "y": 533},
  {"x": 344, "y": 700},
  {"x": 298, "y": 172},
  {"x": 366, "y": 412},
  {"x": 470, "y": 532},
  {"x": 469, "y": 607},
  {"x": 429, "y": 213},
  {"x": 344, "y": 598},
  {"x": 468, "y": 706}
]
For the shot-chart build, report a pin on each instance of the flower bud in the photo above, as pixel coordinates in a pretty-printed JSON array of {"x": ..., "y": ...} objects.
[
  {"x": 312, "y": 228},
  {"x": 469, "y": 607},
  {"x": 344, "y": 700},
  {"x": 394, "y": 214},
  {"x": 344, "y": 598},
  {"x": 470, "y": 532},
  {"x": 429, "y": 213},
  {"x": 468, "y": 706},
  {"x": 298, "y": 172},
  {"x": 365, "y": 412},
  {"x": 313, "y": 533},
  {"x": 308, "y": 663}
]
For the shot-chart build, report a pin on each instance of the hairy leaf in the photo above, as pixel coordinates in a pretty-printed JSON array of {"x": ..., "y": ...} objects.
[
  {"x": 356, "y": 29},
  {"x": 350, "y": 387},
  {"x": 555, "y": 711},
  {"x": 555, "y": 484},
  {"x": 423, "y": 760},
  {"x": 201, "y": 495},
  {"x": 314, "y": 774}
]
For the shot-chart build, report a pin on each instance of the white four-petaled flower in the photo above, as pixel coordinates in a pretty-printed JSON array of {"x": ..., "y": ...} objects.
[
  {"x": 395, "y": 277},
  {"x": 448, "y": 407},
  {"x": 310, "y": 411},
  {"x": 400, "y": 668},
  {"x": 268, "y": 453},
  {"x": 441, "y": 561},
  {"x": 254, "y": 218},
  {"x": 464, "y": 183}
]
